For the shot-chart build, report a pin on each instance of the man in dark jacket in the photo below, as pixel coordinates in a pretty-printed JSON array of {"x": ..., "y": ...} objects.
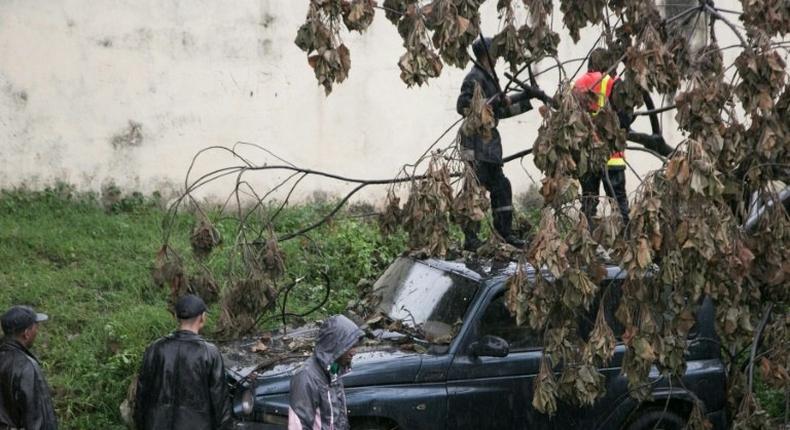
[
  {"x": 317, "y": 400},
  {"x": 25, "y": 399},
  {"x": 181, "y": 384},
  {"x": 486, "y": 155}
]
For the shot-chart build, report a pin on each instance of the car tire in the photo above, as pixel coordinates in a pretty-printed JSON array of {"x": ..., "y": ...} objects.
[{"x": 657, "y": 419}]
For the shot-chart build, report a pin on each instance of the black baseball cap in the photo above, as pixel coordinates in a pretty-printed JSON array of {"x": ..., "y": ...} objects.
[
  {"x": 19, "y": 318},
  {"x": 190, "y": 306}
]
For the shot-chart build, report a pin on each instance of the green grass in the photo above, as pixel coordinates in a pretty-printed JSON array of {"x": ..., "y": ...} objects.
[{"x": 89, "y": 268}]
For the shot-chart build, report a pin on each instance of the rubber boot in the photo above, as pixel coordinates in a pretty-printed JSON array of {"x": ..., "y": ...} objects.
[{"x": 503, "y": 223}]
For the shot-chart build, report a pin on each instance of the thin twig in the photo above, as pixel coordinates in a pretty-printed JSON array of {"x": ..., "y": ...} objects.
[
  {"x": 634, "y": 171},
  {"x": 734, "y": 12},
  {"x": 287, "y": 198},
  {"x": 388, "y": 9},
  {"x": 517, "y": 155},
  {"x": 721, "y": 17},
  {"x": 326, "y": 218},
  {"x": 655, "y": 111},
  {"x": 649, "y": 151},
  {"x": 682, "y": 14},
  {"x": 435, "y": 142},
  {"x": 255, "y": 145},
  {"x": 756, "y": 342}
]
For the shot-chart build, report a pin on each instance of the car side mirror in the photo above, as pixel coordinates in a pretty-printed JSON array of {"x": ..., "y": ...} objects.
[{"x": 489, "y": 346}]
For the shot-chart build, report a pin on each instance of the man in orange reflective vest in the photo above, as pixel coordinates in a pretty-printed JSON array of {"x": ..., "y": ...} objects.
[{"x": 599, "y": 84}]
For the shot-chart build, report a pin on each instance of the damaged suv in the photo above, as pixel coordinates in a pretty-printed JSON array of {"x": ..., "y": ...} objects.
[{"x": 470, "y": 366}]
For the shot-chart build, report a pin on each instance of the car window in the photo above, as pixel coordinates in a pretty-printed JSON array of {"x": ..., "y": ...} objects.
[
  {"x": 497, "y": 321},
  {"x": 587, "y": 322},
  {"x": 433, "y": 300}
]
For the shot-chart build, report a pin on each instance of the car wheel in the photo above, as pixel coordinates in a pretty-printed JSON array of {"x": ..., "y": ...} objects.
[{"x": 657, "y": 419}]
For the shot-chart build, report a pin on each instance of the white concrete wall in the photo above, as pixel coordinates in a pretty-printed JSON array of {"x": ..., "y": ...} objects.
[{"x": 194, "y": 73}]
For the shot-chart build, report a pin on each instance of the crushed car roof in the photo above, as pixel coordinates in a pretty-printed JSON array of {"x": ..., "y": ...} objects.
[{"x": 479, "y": 270}]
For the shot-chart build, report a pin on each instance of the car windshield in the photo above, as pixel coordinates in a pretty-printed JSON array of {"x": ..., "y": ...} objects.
[{"x": 427, "y": 299}]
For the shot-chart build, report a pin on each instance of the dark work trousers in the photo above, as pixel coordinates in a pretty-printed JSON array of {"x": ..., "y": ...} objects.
[
  {"x": 494, "y": 180},
  {"x": 614, "y": 185}
]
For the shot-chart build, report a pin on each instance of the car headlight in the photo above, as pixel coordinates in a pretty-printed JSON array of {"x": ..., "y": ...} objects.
[{"x": 247, "y": 402}]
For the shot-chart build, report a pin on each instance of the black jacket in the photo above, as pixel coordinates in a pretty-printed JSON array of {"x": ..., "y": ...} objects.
[
  {"x": 25, "y": 399},
  {"x": 182, "y": 385},
  {"x": 490, "y": 151}
]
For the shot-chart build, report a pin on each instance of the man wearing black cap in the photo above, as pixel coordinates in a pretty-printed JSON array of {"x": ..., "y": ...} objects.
[
  {"x": 181, "y": 384},
  {"x": 486, "y": 155},
  {"x": 25, "y": 399}
]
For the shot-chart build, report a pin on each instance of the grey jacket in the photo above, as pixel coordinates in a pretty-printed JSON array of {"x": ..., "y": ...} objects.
[
  {"x": 317, "y": 399},
  {"x": 490, "y": 151},
  {"x": 25, "y": 400}
]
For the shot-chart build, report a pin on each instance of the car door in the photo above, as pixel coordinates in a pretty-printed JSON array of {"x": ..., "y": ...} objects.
[
  {"x": 495, "y": 392},
  {"x": 574, "y": 416}
]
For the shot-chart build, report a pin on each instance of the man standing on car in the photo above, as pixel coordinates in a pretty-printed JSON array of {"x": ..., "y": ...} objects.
[
  {"x": 317, "y": 400},
  {"x": 25, "y": 399},
  {"x": 181, "y": 384},
  {"x": 596, "y": 87},
  {"x": 486, "y": 155}
]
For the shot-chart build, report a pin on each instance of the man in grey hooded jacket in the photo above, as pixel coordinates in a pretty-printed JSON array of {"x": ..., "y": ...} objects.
[{"x": 317, "y": 400}]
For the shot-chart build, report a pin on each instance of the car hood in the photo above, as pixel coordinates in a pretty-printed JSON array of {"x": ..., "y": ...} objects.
[
  {"x": 375, "y": 366},
  {"x": 388, "y": 359}
]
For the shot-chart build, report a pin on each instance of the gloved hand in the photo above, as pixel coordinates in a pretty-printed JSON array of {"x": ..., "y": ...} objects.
[
  {"x": 531, "y": 92},
  {"x": 518, "y": 97}
]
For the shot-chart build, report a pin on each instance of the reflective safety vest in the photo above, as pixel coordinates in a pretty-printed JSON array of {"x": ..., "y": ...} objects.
[
  {"x": 601, "y": 85},
  {"x": 617, "y": 159}
]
